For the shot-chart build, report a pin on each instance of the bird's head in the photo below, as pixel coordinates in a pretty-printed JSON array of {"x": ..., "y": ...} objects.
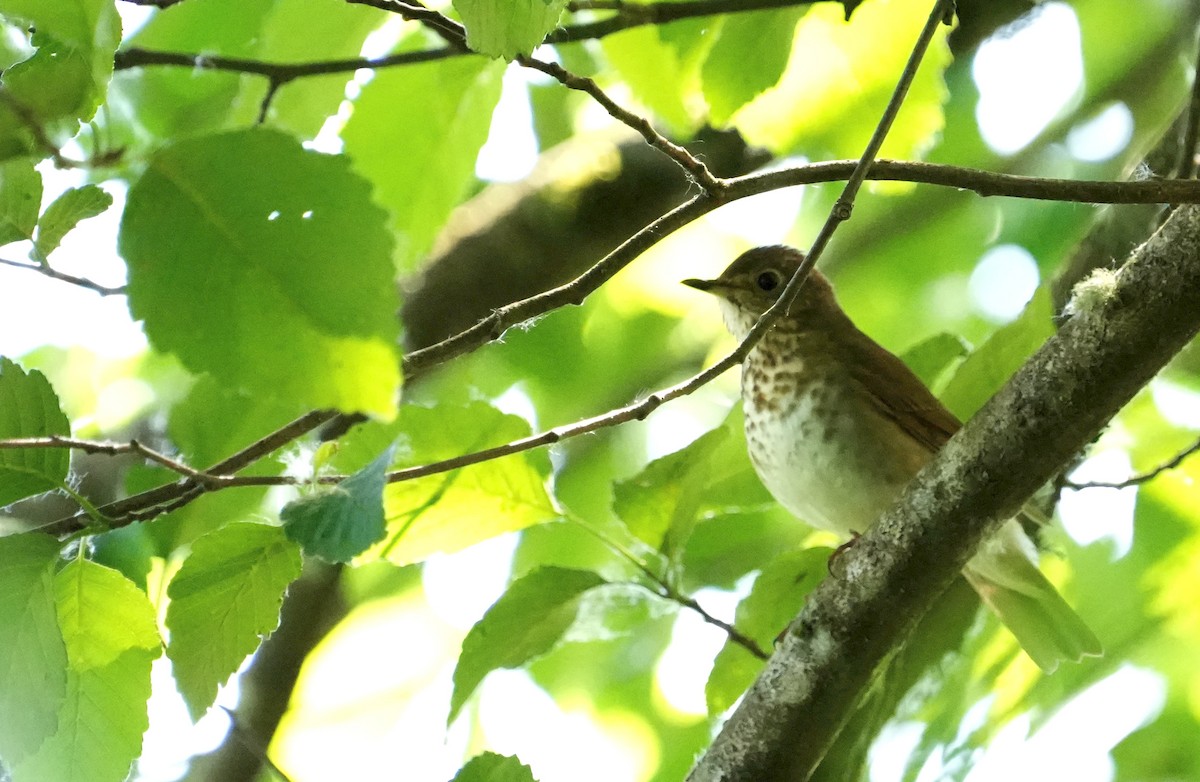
[{"x": 753, "y": 282}]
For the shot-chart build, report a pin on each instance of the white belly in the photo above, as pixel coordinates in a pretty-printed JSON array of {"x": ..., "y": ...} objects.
[{"x": 835, "y": 472}]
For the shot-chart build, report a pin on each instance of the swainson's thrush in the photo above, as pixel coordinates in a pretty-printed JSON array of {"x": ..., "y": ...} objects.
[{"x": 836, "y": 426}]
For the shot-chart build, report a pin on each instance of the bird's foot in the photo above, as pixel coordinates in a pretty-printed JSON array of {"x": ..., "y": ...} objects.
[{"x": 834, "y": 569}]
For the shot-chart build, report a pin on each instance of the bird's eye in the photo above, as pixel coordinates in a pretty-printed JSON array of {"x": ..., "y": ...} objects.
[{"x": 768, "y": 280}]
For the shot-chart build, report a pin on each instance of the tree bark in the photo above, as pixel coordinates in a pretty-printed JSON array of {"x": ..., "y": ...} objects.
[{"x": 1050, "y": 409}]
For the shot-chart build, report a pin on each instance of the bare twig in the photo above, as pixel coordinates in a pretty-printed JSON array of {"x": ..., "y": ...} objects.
[
  {"x": 1139, "y": 479},
  {"x": 711, "y": 184},
  {"x": 82, "y": 282}
]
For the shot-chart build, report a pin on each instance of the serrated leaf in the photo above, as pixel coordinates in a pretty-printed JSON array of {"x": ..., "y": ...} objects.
[
  {"x": 66, "y": 77},
  {"x": 660, "y": 503},
  {"x": 660, "y": 76},
  {"x": 268, "y": 266},
  {"x": 20, "y": 200},
  {"x": 101, "y": 724},
  {"x": 774, "y": 600},
  {"x": 985, "y": 370},
  {"x": 749, "y": 56},
  {"x": 29, "y": 408},
  {"x": 111, "y": 637},
  {"x": 491, "y": 767},
  {"x": 102, "y": 614},
  {"x": 224, "y": 601},
  {"x": 931, "y": 358},
  {"x": 415, "y": 134},
  {"x": 526, "y": 622},
  {"x": 506, "y": 28},
  {"x": 449, "y": 511},
  {"x": 340, "y": 524},
  {"x": 841, "y": 75},
  {"x": 75, "y": 204},
  {"x": 33, "y": 658}
]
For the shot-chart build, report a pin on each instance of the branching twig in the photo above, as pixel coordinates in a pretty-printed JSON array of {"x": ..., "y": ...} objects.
[
  {"x": 82, "y": 282},
  {"x": 1137, "y": 480},
  {"x": 711, "y": 184},
  {"x": 108, "y": 448},
  {"x": 735, "y": 635}
]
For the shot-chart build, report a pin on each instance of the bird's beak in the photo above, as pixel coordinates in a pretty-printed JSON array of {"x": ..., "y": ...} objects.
[{"x": 708, "y": 286}]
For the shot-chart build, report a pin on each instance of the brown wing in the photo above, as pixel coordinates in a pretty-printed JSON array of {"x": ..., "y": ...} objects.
[{"x": 899, "y": 394}]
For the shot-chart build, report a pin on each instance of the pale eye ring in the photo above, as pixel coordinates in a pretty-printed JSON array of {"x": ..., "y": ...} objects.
[{"x": 767, "y": 281}]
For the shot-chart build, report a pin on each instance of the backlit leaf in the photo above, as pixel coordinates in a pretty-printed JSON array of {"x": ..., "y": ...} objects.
[
  {"x": 268, "y": 266},
  {"x": 224, "y": 601}
]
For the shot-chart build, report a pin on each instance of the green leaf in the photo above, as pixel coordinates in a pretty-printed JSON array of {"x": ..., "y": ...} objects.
[
  {"x": 525, "y": 623},
  {"x": 449, "y": 511},
  {"x": 984, "y": 371},
  {"x": 841, "y": 75},
  {"x": 340, "y": 524},
  {"x": 777, "y": 596},
  {"x": 168, "y": 103},
  {"x": 307, "y": 31},
  {"x": 660, "y": 76},
  {"x": 224, "y": 601},
  {"x": 660, "y": 503},
  {"x": 102, "y": 614},
  {"x": 67, "y": 75},
  {"x": 111, "y": 637},
  {"x": 507, "y": 28},
  {"x": 33, "y": 659},
  {"x": 490, "y": 767},
  {"x": 748, "y": 57},
  {"x": 75, "y": 204},
  {"x": 415, "y": 133},
  {"x": 268, "y": 266},
  {"x": 102, "y": 719},
  {"x": 29, "y": 408},
  {"x": 20, "y": 200},
  {"x": 933, "y": 357}
]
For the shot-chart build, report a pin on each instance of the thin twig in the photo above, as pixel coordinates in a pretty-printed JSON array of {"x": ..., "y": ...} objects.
[
  {"x": 110, "y": 448},
  {"x": 52, "y": 273},
  {"x": 666, "y": 591},
  {"x": 171, "y": 496},
  {"x": 735, "y": 635},
  {"x": 711, "y": 184},
  {"x": 1141, "y": 478}
]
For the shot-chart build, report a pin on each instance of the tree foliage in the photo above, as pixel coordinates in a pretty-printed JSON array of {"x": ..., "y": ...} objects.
[{"x": 369, "y": 401}]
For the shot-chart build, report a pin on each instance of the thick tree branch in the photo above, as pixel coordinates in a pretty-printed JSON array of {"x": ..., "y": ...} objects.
[{"x": 1049, "y": 410}]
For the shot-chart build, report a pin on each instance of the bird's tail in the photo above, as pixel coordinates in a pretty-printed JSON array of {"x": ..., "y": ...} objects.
[{"x": 1010, "y": 583}]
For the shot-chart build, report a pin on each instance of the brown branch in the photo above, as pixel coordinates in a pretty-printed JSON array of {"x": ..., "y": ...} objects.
[
  {"x": 711, "y": 184},
  {"x": 54, "y": 274},
  {"x": 1137, "y": 480},
  {"x": 109, "y": 448}
]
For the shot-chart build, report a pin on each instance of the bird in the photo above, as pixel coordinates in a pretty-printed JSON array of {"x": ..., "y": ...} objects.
[{"x": 836, "y": 425}]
